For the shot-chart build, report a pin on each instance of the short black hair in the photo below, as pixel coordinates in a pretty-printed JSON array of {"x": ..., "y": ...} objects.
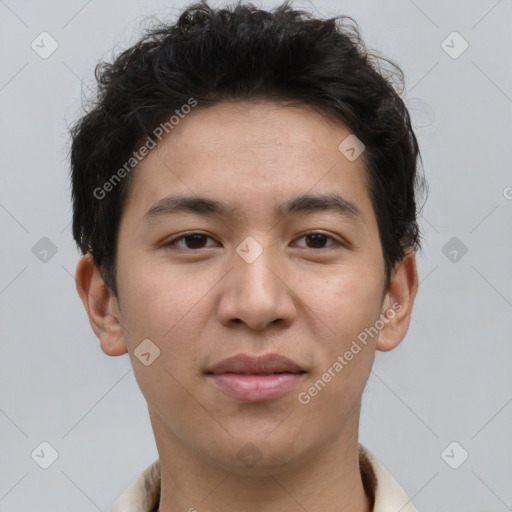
[{"x": 241, "y": 52}]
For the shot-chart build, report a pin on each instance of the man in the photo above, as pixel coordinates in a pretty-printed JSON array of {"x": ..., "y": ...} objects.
[{"x": 244, "y": 197}]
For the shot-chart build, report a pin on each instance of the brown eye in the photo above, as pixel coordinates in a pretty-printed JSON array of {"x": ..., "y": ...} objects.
[
  {"x": 190, "y": 241},
  {"x": 317, "y": 241},
  {"x": 195, "y": 241}
]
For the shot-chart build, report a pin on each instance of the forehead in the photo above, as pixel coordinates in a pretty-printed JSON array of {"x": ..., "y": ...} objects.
[
  {"x": 252, "y": 155},
  {"x": 265, "y": 129}
]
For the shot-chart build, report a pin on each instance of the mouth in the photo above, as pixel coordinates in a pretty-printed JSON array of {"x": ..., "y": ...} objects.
[
  {"x": 256, "y": 379},
  {"x": 244, "y": 364}
]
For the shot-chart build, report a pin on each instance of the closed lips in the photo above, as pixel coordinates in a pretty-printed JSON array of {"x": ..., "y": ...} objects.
[{"x": 244, "y": 364}]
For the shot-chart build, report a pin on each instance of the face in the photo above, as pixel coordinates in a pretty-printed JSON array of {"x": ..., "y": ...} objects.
[{"x": 257, "y": 272}]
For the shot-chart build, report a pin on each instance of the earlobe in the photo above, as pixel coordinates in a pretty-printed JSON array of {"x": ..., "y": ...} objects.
[
  {"x": 398, "y": 302},
  {"x": 101, "y": 306}
]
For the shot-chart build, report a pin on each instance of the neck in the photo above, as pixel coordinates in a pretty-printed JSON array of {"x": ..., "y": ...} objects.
[{"x": 327, "y": 480}]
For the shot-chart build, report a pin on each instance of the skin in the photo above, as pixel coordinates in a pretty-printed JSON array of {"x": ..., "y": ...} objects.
[{"x": 202, "y": 303}]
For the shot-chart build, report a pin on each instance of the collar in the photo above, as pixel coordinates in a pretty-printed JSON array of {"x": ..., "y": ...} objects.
[{"x": 144, "y": 493}]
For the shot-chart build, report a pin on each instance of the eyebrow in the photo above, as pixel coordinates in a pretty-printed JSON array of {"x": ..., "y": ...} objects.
[{"x": 306, "y": 203}]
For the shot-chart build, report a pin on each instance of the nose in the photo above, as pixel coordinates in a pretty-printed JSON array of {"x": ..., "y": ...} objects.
[{"x": 257, "y": 293}]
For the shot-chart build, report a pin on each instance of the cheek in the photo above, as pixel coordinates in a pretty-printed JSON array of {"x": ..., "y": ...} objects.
[
  {"x": 344, "y": 357},
  {"x": 345, "y": 306},
  {"x": 157, "y": 309},
  {"x": 155, "y": 302},
  {"x": 345, "y": 303},
  {"x": 170, "y": 311}
]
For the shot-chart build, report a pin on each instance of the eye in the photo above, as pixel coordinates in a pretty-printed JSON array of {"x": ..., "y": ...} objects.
[
  {"x": 190, "y": 241},
  {"x": 194, "y": 241},
  {"x": 317, "y": 240}
]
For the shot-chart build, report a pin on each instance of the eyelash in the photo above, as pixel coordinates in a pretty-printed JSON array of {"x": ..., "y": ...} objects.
[{"x": 172, "y": 243}]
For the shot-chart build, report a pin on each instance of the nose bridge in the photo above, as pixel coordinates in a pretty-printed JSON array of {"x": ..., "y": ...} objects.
[
  {"x": 254, "y": 293},
  {"x": 252, "y": 261}
]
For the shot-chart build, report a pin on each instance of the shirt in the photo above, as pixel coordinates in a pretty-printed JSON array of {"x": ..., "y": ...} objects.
[{"x": 143, "y": 494}]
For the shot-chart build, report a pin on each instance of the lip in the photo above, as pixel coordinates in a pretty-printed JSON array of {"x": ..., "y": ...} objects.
[
  {"x": 255, "y": 379},
  {"x": 255, "y": 365}
]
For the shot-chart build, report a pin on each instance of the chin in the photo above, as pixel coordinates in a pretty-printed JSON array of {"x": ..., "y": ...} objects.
[{"x": 261, "y": 455}]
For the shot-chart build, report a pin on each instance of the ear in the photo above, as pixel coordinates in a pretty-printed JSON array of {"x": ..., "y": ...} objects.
[
  {"x": 398, "y": 302},
  {"x": 102, "y": 307}
]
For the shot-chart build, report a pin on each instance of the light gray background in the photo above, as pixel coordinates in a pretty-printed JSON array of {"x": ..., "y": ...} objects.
[{"x": 450, "y": 380}]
